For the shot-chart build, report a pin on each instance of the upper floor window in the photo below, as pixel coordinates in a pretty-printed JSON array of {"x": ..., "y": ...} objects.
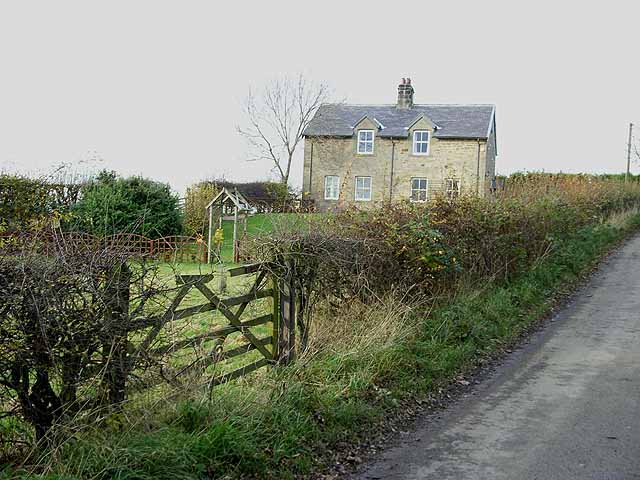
[
  {"x": 363, "y": 188},
  {"x": 365, "y": 141},
  {"x": 421, "y": 142},
  {"x": 452, "y": 187},
  {"x": 419, "y": 189},
  {"x": 331, "y": 187}
]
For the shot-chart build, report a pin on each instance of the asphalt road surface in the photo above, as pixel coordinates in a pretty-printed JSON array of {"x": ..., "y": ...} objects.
[{"x": 564, "y": 406}]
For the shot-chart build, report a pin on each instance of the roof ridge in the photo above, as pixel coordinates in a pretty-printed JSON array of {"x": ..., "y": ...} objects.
[
  {"x": 453, "y": 104},
  {"x": 414, "y": 105},
  {"x": 456, "y": 120}
]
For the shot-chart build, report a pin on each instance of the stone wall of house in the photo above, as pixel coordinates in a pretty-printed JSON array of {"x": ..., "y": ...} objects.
[
  {"x": 490, "y": 171},
  {"x": 461, "y": 159}
]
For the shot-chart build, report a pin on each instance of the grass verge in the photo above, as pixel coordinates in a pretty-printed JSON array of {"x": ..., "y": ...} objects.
[{"x": 282, "y": 424}]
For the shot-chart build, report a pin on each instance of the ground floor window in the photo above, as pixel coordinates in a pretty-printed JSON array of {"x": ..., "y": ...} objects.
[
  {"x": 363, "y": 188},
  {"x": 419, "y": 189},
  {"x": 452, "y": 187},
  {"x": 331, "y": 187}
]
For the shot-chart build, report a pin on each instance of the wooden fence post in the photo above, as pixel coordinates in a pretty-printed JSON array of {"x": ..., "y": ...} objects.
[
  {"x": 116, "y": 333},
  {"x": 287, "y": 321},
  {"x": 275, "y": 333}
]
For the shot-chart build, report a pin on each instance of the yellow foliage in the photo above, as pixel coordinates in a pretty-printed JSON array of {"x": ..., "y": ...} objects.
[{"x": 218, "y": 237}]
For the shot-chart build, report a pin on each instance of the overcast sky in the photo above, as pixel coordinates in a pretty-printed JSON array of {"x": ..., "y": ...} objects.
[{"x": 156, "y": 87}]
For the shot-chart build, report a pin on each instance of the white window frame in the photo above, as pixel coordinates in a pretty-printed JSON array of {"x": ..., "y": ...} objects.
[
  {"x": 426, "y": 189},
  {"x": 421, "y": 142},
  {"x": 448, "y": 190},
  {"x": 336, "y": 187},
  {"x": 372, "y": 141},
  {"x": 370, "y": 190}
]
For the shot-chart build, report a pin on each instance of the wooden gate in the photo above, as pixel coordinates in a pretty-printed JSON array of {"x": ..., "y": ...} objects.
[{"x": 276, "y": 346}]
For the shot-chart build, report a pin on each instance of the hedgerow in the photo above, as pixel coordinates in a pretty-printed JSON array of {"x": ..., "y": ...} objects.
[
  {"x": 403, "y": 299},
  {"x": 429, "y": 247}
]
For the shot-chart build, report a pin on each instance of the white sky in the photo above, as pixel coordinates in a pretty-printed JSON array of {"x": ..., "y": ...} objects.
[{"x": 155, "y": 87}]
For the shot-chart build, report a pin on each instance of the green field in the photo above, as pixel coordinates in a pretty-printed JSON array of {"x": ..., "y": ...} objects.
[{"x": 257, "y": 224}]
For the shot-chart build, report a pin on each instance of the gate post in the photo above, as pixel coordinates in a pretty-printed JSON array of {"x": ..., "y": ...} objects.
[
  {"x": 285, "y": 303},
  {"x": 275, "y": 312}
]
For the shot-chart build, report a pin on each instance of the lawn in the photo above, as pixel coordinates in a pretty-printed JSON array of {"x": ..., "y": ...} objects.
[{"x": 257, "y": 224}]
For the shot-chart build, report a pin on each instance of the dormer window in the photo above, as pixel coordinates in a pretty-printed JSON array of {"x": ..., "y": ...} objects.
[
  {"x": 365, "y": 142},
  {"x": 421, "y": 142}
]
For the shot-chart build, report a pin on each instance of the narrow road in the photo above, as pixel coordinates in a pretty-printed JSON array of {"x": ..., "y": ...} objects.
[{"x": 564, "y": 406}]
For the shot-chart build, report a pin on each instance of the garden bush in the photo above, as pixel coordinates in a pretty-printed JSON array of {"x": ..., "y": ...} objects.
[{"x": 110, "y": 204}]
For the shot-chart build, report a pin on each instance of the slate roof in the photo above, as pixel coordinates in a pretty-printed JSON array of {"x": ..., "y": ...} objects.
[{"x": 453, "y": 121}]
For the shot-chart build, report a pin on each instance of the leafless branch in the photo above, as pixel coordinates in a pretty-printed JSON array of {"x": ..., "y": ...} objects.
[{"x": 275, "y": 121}]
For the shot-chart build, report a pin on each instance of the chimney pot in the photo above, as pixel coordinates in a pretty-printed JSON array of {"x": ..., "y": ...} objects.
[{"x": 405, "y": 94}]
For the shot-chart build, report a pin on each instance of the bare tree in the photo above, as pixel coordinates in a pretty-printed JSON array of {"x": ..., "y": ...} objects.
[{"x": 277, "y": 117}]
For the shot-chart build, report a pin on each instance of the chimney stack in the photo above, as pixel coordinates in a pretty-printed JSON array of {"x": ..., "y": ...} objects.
[{"x": 405, "y": 94}]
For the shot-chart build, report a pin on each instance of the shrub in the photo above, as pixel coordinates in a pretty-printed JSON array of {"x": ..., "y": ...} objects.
[
  {"x": 64, "y": 325},
  {"x": 394, "y": 318},
  {"x": 135, "y": 205},
  {"x": 429, "y": 248},
  {"x": 24, "y": 201},
  {"x": 196, "y": 199}
]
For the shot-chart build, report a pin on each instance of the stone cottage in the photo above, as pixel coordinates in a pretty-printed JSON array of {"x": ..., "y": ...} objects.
[{"x": 367, "y": 154}]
